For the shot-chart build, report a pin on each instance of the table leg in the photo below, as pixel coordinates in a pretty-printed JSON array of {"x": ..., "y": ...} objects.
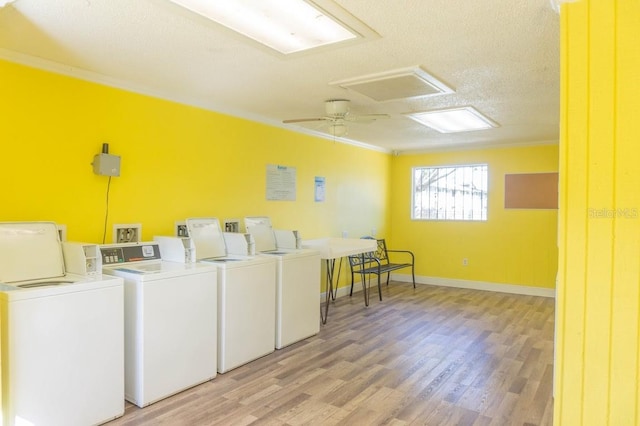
[
  {"x": 334, "y": 294},
  {"x": 329, "y": 292}
]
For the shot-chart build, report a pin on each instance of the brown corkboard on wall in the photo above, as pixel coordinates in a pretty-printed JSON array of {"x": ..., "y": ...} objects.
[{"x": 531, "y": 191}]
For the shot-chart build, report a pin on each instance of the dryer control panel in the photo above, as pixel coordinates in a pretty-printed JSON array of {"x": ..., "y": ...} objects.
[{"x": 114, "y": 254}]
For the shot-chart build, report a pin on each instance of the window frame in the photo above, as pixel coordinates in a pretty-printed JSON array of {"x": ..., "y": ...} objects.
[{"x": 484, "y": 200}]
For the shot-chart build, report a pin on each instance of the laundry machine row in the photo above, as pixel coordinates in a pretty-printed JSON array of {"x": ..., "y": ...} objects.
[{"x": 128, "y": 324}]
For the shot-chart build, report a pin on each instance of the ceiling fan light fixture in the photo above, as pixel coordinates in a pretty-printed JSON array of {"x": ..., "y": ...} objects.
[
  {"x": 338, "y": 129},
  {"x": 453, "y": 120},
  {"x": 288, "y": 26}
]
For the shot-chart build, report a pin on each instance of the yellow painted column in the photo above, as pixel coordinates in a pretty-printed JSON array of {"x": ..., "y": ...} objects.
[{"x": 597, "y": 363}]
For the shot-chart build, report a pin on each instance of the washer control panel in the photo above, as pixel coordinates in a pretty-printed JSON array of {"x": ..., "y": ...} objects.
[{"x": 116, "y": 254}]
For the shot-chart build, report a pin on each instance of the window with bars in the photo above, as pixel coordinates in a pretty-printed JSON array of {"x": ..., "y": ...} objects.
[{"x": 450, "y": 192}]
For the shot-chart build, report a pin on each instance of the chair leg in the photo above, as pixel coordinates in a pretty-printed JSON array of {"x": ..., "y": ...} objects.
[
  {"x": 364, "y": 289},
  {"x": 388, "y": 276},
  {"x": 352, "y": 279},
  {"x": 413, "y": 276},
  {"x": 379, "y": 289}
]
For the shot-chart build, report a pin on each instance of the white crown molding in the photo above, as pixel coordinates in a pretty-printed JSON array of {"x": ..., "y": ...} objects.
[{"x": 475, "y": 147}]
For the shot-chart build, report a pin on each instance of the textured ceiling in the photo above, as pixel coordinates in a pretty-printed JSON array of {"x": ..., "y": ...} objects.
[{"x": 500, "y": 56}]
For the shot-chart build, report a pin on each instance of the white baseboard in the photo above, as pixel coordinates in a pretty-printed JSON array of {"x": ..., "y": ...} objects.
[
  {"x": 453, "y": 282},
  {"x": 478, "y": 285}
]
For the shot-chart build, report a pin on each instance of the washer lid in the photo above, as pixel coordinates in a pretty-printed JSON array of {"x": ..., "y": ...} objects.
[
  {"x": 263, "y": 234},
  {"x": 29, "y": 251},
  {"x": 207, "y": 238}
]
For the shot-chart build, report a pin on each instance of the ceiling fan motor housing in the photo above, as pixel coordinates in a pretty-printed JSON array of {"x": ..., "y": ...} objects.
[{"x": 336, "y": 107}]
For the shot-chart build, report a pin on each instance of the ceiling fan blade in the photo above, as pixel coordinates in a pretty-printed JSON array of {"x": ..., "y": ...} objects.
[
  {"x": 366, "y": 118},
  {"x": 301, "y": 120}
]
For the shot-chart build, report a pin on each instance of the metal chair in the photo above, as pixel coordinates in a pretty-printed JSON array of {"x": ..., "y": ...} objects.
[{"x": 378, "y": 263}]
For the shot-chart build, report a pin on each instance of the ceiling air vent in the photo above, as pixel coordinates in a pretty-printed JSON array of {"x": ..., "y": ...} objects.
[{"x": 397, "y": 84}]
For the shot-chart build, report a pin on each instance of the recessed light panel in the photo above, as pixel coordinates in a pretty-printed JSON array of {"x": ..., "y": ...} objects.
[
  {"x": 453, "y": 120},
  {"x": 288, "y": 26}
]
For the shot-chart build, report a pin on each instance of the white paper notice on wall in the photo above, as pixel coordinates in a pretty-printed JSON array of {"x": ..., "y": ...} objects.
[
  {"x": 281, "y": 183},
  {"x": 319, "y": 191}
]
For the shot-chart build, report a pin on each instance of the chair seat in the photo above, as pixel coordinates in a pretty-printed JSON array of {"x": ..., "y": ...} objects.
[{"x": 384, "y": 268}]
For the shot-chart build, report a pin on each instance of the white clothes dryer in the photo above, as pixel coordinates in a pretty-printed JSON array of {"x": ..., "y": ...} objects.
[
  {"x": 170, "y": 321},
  {"x": 62, "y": 334},
  {"x": 297, "y": 284},
  {"x": 246, "y": 296}
]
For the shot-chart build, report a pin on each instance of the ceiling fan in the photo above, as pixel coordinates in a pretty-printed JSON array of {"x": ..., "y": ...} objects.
[{"x": 337, "y": 115}]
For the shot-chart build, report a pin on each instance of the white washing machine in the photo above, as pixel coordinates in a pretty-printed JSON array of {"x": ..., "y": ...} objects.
[
  {"x": 62, "y": 334},
  {"x": 246, "y": 296},
  {"x": 297, "y": 283},
  {"x": 170, "y": 321}
]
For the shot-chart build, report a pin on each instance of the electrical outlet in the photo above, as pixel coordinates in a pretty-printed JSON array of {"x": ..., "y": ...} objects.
[
  {"x": 345, "y": 234},
  {"x": 127, "y": 233},
  {"x": 465, "y": 261},
  {"x": 373, "y": 232},
  {"x": 231, "y": 225},
  {"x": 181, "y": 229}
]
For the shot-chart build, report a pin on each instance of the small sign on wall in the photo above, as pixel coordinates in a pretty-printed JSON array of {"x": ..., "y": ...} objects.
[
  {"x": 281, "y": 183},
  {"x": 319, "y": 190}
]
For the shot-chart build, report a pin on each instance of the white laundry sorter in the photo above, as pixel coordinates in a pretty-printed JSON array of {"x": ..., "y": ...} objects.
[
  {"x": 297, "y": 282},
  {"x": 246, "y": 295},
  {"x": 170, "y": 321},
  {"x": 62, "y": 334}
]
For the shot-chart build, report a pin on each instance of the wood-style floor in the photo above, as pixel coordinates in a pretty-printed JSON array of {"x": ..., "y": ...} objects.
[{"x": 429, "y": 356}]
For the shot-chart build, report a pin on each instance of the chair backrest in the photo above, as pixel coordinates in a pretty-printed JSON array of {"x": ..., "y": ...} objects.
[
  {"x": 381, "y": 251},
  {"x": 380, "y": 254},
  {"x": 362, "y": 259}
]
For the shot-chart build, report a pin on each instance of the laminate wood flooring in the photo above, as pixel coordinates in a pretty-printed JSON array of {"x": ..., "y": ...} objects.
[{"x": 425, "y": 356}]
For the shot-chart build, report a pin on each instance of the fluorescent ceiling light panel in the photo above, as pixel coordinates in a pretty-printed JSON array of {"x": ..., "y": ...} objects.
[
  {"x": 453, "y": 120},
  {"x": 288, "y": 26}
]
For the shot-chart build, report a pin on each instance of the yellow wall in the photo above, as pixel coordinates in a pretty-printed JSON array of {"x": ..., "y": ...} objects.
[
  {"x": 177, "y": 162},
  {"x": 511, "y": 247},
  {"x": 180, "y": 161},
  {"x": 598, "y": 348}
]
